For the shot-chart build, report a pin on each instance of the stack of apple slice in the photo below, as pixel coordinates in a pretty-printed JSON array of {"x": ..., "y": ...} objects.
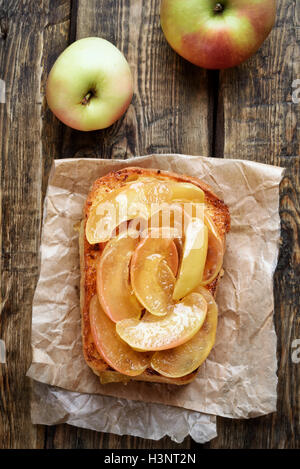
[{"x": 152, "y": 309}]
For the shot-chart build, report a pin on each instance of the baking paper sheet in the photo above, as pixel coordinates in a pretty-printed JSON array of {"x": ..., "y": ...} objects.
[
  {"x": 52, "y": 405},
  {"x": 239, "y": 378}
]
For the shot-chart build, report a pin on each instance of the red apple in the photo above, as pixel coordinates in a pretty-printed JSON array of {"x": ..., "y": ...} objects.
[
  {"x": 217, "y": 34},
  {"x": 90, "y": 85}
]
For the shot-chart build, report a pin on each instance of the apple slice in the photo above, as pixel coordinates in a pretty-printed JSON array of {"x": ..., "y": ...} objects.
[
  {"x": 152, "y": 272},
  {"x": 115, "y": 208},
  {"x": 135, "y": 199},
  {"x": 215, "y": 253},
  {"x": 161, "y": 333},
  {"x": 186, "y": 192},
  {"x": 115, "y": 352},
  {"x": 215, "y": 245},
  {"x": 113, "y": 286},
  {"x": 186, "y": 358},
  {"x": 193, "y": 258}
]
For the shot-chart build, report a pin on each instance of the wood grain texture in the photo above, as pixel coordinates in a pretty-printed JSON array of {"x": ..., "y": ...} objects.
[
  {"x": 56, "y": 37},
  {"x": 245, "y": 112},
  {"x": 20, "y": 55},
  {"x": 25, "y": 28},
  {"x": 256, "y": 98}
]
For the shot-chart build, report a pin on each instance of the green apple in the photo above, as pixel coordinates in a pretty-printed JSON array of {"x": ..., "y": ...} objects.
[
  {"x": 90, "y": 85},
  {"x": 217, "y": 34}
]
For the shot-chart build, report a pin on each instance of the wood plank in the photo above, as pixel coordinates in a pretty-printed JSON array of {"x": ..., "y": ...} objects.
[
  {"x": 56, "y": 37},
  {"x": 170, "y": 110},
  {"x": 261, "y": 123},
  {"x": 22, "y": 54}
]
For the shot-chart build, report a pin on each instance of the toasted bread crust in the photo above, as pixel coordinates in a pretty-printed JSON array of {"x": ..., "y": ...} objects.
[{"x": 90, "y": 254}]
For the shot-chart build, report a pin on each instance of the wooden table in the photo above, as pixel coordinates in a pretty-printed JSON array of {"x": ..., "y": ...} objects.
[{"x": 248, "y": 112}]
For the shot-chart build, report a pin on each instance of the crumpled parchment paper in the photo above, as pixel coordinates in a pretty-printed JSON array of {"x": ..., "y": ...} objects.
[
  {"x": 52, "y": 405},
  {"x": 239, "y": 377}
]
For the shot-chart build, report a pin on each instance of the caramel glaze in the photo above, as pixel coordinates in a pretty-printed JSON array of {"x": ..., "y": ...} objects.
[{"x": 90, "y": 254}]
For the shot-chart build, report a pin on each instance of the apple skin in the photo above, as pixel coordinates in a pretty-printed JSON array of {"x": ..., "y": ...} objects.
[
  {"x": 89, "y": 65},
  {"x": 217, "y": 40}
]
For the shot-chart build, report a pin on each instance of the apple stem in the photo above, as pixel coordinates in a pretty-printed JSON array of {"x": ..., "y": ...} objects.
[
  {"x": 218, "y": 8},
  {"x": 86, "y": 98}
]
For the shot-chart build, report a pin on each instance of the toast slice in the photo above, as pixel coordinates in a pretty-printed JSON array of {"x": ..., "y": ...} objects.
[{"x": 90, "y": 255}]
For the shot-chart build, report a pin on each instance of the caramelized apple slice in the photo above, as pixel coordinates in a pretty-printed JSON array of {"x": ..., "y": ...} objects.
[
  {"x": 134, "y": 200},
  {"x": 114, "y": 351},
  {"x": 193, "y": 258},
  {"x": 161, "y": 333},
  {"x": 186, "y": 192},
  {"x": 118, "y": 207},
  {"x": 151, "y": 273},
  {"x": 113, "y": 287},
  {"x": 215, "y": 253},
  {"x": 215, "y": 246},
  {"x": 186, "y": 358}
]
